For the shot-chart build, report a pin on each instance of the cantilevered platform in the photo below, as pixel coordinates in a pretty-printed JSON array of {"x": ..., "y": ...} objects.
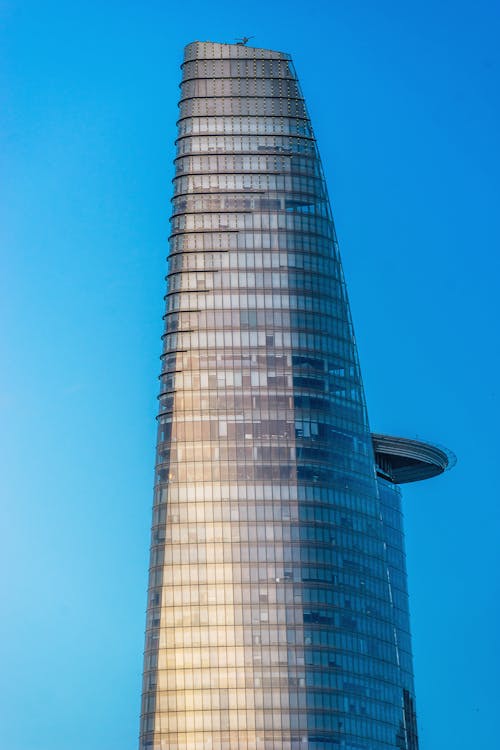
[{"x": 401, "y": 460}]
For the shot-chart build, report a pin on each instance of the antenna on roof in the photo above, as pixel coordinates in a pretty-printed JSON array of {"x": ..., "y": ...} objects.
[{"x": 243, "y": 41}]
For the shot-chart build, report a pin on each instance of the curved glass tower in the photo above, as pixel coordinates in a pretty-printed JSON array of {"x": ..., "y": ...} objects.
[{"x": 277, "y": 605}]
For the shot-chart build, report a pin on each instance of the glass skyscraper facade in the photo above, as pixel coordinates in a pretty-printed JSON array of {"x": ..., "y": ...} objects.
[{"x": 277, "y": 604}]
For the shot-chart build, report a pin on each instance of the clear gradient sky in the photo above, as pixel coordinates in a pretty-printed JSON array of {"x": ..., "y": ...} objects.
[{"x": 404, "y": 98}]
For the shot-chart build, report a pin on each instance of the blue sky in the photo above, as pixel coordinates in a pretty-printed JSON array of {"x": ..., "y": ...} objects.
[{"x": 404, "y": 100}]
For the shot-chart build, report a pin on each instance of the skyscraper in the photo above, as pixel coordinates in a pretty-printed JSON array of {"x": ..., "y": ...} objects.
[{"x": 277, "y": 605}]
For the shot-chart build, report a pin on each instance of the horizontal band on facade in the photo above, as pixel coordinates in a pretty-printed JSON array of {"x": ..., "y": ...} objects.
[
  {"x": 278, "y": 57},
  {"x": 256, "y": 233},
  {"x": 183, "y": 330},
  {"x": 220, "y": 230},
  {"x": 255, "y": 78},
  {"x": 297, "y": 216},
  {"x": 238, "y": 51},
  {"x": 247, "y": 97},
  {"x": 269, "y": 251},
  {"x": 252, "y": 77},
  {"x": 217, "y": 211},
  {"x": 201, "y": 251},
  {"x": 229, "y": 154},
  {"x": 297, "y": 250},
  {"x": 180, "y": 312},
  {"x": 280, "y": 173},
  {"x": 192, "y": 270},
  {"x": 195, "y": 136},
  {"x": 183, "y": 291},
  {"x": 402, "y": 460},
  {"x": 320, "y": 317},
  {"x": 267, "y": 116},
  {"x": 293, "y": 288},
  {"x": 217, "y": 191},
  {"x": 164, "y": 355}
]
